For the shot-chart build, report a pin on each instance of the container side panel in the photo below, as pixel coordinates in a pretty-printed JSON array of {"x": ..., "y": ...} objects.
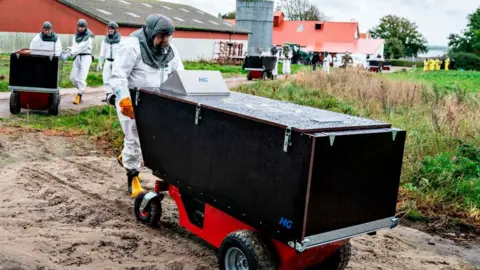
[
  {"x": 33, "y": 71},
  {"x": 355, "y": 179}
]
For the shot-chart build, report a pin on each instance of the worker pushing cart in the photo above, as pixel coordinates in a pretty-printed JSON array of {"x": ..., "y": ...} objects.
[
  {"x": 144, "y": 59},
  {"x": 42, "y": 42}
]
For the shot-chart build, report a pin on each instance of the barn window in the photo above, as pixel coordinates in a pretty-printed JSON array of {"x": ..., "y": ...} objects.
[
  {"x": 125, "y": 2},
  {"x": 197, "y": 21},
  {"x": 179, "y": 19},
  {"x": 318, "y": 26},
  {"x": 213, "y": 22},
  {"x": 200, "y": 12},
  {"x": 184, "y": 10},
  {"x": 300, "y": 28},
  {"x": 167, "y": 7},
  {"x": 228, "y": 24},
  {"x": 147, "y": 5}
]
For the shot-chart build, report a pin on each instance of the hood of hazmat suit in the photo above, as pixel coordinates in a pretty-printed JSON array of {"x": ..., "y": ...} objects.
[
  {"x": 83, "y": 36},
  {"x": 115, "y": 38},
  {"x": 154, "y": 56},
  {"x": 52, "y": 37}
]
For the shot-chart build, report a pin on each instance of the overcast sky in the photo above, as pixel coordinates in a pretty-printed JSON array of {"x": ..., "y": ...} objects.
[{"x": 436, "y": 19}]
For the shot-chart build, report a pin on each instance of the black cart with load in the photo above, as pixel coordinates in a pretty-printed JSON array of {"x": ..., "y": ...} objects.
[
  {"x": 272, "y": 185},
  {"x": 34, "y": 82},
  {"x": 259, "y": 67}
]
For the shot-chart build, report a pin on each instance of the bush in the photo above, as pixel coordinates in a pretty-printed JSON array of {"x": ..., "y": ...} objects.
[
  {"x": 467, "y": 61},
  {"x": 405, "y": 63}
]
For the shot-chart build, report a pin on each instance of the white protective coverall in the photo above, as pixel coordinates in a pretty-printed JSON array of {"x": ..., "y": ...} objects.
[
  {"x": 82, "y": 52},
  {"x": 107, "y": 54},
  {"x": 130, "y": 71},
  {"x": 287, "y": 63},
  {"x": 40, "y": 47},
  {"x": 326, "y": 63}
]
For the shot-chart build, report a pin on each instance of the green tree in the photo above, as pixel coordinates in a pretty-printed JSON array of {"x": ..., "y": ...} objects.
[
  {"x": 469, "y": 41},
  {"x": 301, "y": 10},
  {"x": 398, "y": 30},
  {"x": 229, "y": 15},
  {"x": 394, "y": 48}
]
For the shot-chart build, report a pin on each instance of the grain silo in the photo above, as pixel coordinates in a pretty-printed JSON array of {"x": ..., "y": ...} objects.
[{"x": 257, "y": 17}]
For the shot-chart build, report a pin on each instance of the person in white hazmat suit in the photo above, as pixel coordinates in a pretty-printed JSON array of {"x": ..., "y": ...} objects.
[
  {"x": 287, "y": 62},
  {"x": 326, "y": 62},
  {"x": 108, "y": 51},
  {"x": 144, "y": 60},
  {"x": 46, "y": 42},
  {"x": 81, "y": 51}
]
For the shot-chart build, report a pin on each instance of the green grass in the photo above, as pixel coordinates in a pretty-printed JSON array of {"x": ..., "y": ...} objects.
[
  {"x": 451, "y": 80},
  {"x": 95, "y": 79}
]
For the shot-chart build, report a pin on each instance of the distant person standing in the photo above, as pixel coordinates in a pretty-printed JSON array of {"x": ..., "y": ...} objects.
[
  {"x": 326, "y": 62},
  {"x": 425, "y": 64},
  {"x": 447, "y": 63},
  {"x": 315, "y": 60},
  {"x": 286, "y": 69}
]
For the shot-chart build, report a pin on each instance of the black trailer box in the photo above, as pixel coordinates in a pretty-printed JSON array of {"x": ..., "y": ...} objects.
[
  {"x": 34, "y": 71},
  {"x": 304, "y": 175}
]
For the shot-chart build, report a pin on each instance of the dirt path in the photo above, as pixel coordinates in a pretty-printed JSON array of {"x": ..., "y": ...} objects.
[{"x": 64, "y": 206}]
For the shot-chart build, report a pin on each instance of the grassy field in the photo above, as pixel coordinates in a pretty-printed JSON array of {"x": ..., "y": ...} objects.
[
  {"x": 451, "y": 80},
  {"x": 95, "y": 78},
  {"x": 441, "y": 169}
]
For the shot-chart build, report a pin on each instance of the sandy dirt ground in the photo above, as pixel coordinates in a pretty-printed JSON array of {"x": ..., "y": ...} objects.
[{"x": 64, "y": 206}]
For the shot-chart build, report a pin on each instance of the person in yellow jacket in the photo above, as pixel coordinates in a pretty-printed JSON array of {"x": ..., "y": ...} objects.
[
  {"x": 425, "y": 64},
  {"x": 431, "y": 64},
  {"x": 447, "y": 63},
  {"x": 438, "y": 62}
]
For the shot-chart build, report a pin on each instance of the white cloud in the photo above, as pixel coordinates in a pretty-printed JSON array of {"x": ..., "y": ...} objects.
[{"x": 436, "y": 19}]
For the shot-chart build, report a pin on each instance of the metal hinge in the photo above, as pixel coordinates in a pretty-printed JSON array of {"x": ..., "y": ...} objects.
[
  {"x": 197, "y": 114},
  {"x": 288, "y": 139}
]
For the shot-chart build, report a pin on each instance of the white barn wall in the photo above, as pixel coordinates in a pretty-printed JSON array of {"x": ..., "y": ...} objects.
[{"x": 189, "y": 49}]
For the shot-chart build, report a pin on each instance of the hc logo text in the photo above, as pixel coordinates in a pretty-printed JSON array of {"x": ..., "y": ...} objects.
[
  {"x": 286, "y": 223},
  {"x": 203, "y": 79}
]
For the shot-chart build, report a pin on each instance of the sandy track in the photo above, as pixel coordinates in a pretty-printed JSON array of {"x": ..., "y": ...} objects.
[{"x": 64, "y": 206}]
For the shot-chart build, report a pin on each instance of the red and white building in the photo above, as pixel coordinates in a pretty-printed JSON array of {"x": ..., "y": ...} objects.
[
  {"x": 196, "y": 34},
  {"x": 336, "y": 38}
]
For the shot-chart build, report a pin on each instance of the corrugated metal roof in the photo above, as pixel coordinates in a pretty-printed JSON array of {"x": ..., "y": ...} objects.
[{"x": 134, "y": 12}]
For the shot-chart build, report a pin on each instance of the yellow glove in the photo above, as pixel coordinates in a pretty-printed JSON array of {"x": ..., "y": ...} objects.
[{"x": 126, "y": 108}]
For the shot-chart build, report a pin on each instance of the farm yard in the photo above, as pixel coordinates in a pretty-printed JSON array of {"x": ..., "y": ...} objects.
[{"x": 440, "y": 190}]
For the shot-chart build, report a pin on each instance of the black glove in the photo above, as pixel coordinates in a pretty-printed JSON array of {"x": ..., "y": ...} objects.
[{"x": 111, "y": 99}]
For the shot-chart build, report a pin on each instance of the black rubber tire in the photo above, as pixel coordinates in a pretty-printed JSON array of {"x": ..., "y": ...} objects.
[
  {"x": 257, "y": 253},
  {"x": 54, "y": 104},
  {"x": 249, "y": 76},
  {"x": 154, "y": 210},
  {"x": 338, "y": 261},
  {"x": 15, "y": 103}
]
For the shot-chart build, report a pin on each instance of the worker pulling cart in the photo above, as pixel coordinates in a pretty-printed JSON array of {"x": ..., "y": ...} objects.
[
  {"x": 272, "y": 185},
  {"x": 35, "y": 74},
  {"x": 34, "y": 82}
]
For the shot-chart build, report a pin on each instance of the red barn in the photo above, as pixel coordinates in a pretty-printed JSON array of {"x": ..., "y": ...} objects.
[{"x": 196, "y": 35}]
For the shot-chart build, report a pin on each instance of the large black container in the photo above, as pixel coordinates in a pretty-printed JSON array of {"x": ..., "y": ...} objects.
[
  {"x": 37, "y": 71},
  {"x": 288, "y": 170}
]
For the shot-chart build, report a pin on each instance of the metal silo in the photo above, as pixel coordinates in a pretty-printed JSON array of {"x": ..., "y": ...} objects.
[{"x": 256, "y": 16}]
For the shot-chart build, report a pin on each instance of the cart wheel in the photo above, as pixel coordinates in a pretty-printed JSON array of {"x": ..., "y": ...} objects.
[
  {"x": 264, "y": 75},
  {"x": 338, "y": 261},
  {"x": 153, "y": 211},
  {"x": 15, "y": 103},
  {"x": 54, "y": 104},
  {"x": 249, "y": 76},
  {"x": 245, "y": 250}
]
